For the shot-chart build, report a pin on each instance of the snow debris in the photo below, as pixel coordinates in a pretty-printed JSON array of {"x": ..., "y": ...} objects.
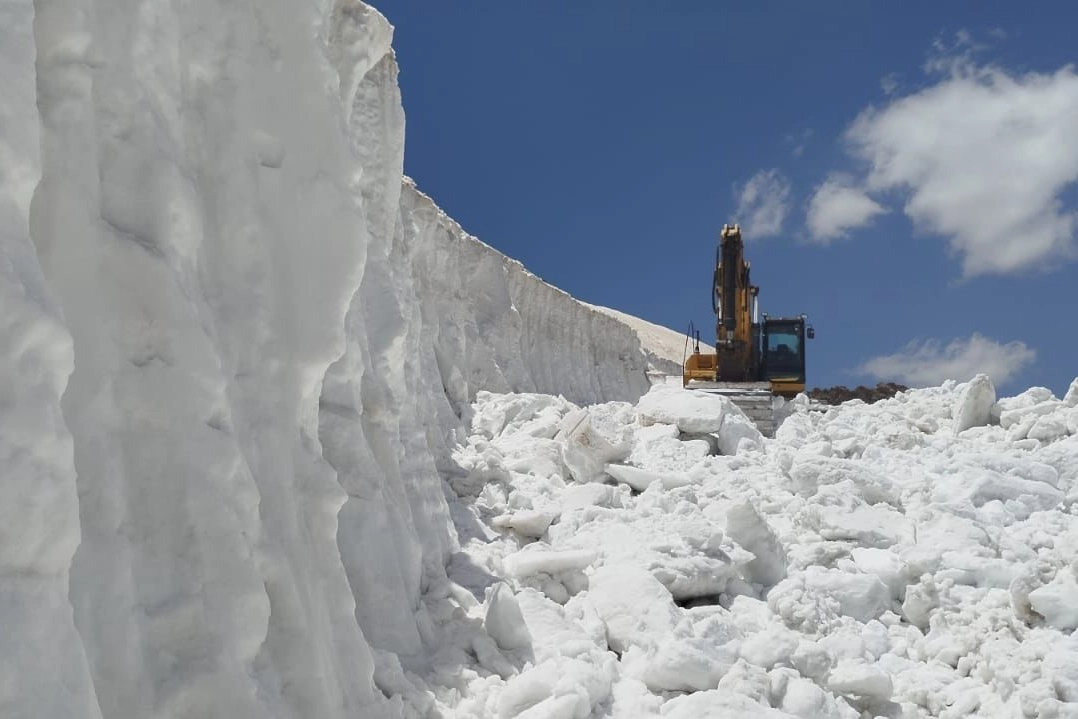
[
  {"x": 700, "y": 413},
  {"x": 592, "y": 437},
  {"x": 909, "y": 558}
]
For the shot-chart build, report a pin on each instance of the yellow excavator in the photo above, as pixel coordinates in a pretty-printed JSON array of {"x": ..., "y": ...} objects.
[{"x": 754, "y": 361}]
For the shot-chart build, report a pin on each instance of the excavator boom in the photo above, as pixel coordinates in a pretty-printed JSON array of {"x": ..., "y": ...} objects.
[{"x": 735, "y": 298}]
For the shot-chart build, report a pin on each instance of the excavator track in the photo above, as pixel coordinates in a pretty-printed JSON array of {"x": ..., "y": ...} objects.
[{"x": 752, "y": 398}]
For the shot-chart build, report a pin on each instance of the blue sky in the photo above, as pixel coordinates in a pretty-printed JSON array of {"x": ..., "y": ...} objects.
[{"x": 905, "y": 174}]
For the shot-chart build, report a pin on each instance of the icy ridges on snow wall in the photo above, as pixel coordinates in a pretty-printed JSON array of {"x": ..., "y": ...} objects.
[
  {"x": 197, "y": 221},
  {"x": 495, "y": 326},
  {"x": 39, "y": 521},
  {"x": 214, "y": 297}
]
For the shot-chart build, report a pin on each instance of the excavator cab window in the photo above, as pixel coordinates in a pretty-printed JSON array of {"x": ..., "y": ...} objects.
[{"x": 784, "y": 354}]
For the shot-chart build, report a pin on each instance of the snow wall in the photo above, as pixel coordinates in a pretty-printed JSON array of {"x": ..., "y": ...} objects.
[{"x": 236, "y": 347}]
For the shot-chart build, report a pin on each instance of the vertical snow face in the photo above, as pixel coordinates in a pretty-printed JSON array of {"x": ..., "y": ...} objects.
[
  {"x": 236, "y": 353},
  {"x": 493, "y": 325},
  {"x": 39, "y": 521},
  {"x": 199, "y": 220}
]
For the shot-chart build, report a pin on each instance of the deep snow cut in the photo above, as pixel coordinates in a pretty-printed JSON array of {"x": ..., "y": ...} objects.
[{"x": 253, "y": 465}]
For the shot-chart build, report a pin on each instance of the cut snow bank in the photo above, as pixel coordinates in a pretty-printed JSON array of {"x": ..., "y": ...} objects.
[
  {"x": 665, "y": 349},
  {"x": 237, "y": 346}
]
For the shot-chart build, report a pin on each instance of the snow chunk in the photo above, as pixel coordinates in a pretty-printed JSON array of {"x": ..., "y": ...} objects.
[
  {"x": 1056, "y": 601},
  {"x": 640, "y": 479},
  {"x": 1061, "y": 665},
  {"x": 564, "y": 688},
  {"x": 886, "y": 565},
  {"x": 658, "y": 449},
  {"x": 503, "y": 621},
  {"x": 872, "y": 526},
  {"x": 680, "y": 663},
  {"x": 803, "y": 698},
  {"x": 769, "y": 647},
  {"x": 696, "y": 413},
  {"x": 738, "y": 433},
  {"x": 535, "y": 415},
  {"x": 582, "y": 496},
  {"x": 746, "y": 527},
  {"x": 1035, "y": 400},
  {"x": 810, "y": 473},
  {"x": 658, "y": 644},
  {"x": 1071, "y": 398},
  {"x": 573, "y": 630},
  {"x": 692, "y": 412},
  {"x": 973, "y": 408},
  {"x": 534, "y": 559},
  {"x": 1049, "y": 428},
  {"x": 593, "y": 437},
  {"x": 635, "y": 477},
  {"x": 675, "y": 542},
  {"x": 860, "y": 596},
  {"x": 719, "y": 703},
  {"x": 635, "y": 605},
  {"x": 526, "y": 522},
  {"x": 860, "y": 679}
]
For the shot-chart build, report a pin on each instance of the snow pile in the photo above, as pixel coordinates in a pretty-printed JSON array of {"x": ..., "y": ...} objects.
[{"x": 909, "y": 558}]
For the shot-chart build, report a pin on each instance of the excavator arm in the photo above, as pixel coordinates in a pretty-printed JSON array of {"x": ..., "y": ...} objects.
[{"x": 734, "y": 301}]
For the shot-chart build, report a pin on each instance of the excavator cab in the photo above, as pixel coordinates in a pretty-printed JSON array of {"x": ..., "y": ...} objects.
[{"x": 783, "y": 353}]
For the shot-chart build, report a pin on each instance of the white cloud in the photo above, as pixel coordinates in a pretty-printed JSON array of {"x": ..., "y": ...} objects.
[
  {"x": 984, "y": 157},
  {"x": 762, "y": 204},
  {"x": 927, "y": 363},
  {"x": 889, "y": 83},
  {"x": 799, "y": 141},
  {"x": 837, "y": 207}
]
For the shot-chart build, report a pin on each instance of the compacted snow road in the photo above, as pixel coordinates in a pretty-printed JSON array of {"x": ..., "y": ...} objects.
[{"x": 912, "y": 558}]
